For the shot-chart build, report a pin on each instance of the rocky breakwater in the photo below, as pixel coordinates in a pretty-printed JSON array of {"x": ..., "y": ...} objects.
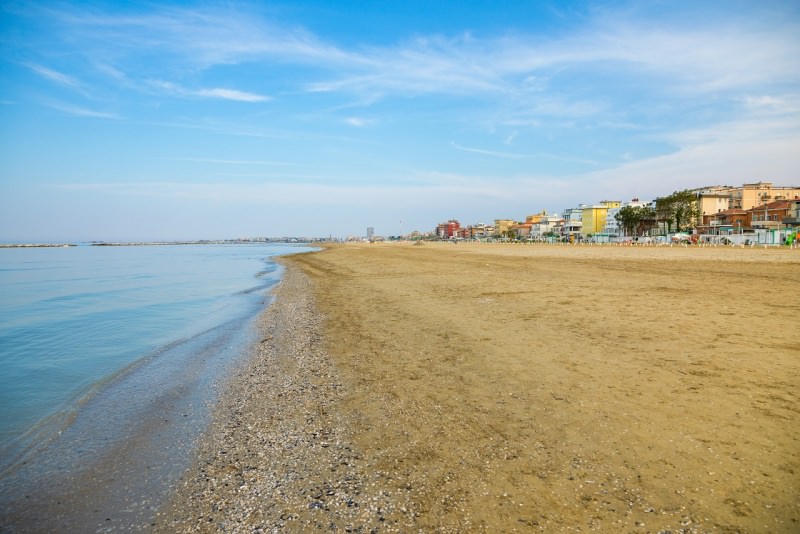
[
  {"x": 279, "y": 455},
  {"x": 37, "y": 245}
]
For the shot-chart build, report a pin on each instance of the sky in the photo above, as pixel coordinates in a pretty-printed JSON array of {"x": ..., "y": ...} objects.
[{"x": 129, "y": 121}]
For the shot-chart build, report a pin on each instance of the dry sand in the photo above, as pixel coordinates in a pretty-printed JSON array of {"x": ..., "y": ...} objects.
[{"x": 504, "y": 388}]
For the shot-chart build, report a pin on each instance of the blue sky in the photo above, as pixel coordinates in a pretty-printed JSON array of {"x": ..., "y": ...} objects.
[{"x": 136, "y": 121}]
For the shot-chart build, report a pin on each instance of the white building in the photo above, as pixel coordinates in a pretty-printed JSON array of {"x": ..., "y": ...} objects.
[
  {"x": 548, "y": 224},
  {"x": 612, "y": 228},
  {"x": 573, "y": 222}
]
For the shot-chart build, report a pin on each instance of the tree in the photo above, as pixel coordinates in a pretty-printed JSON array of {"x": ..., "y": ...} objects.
[
  {"x": 680, "y": 207},
  {"x": 631, "y": 217}
]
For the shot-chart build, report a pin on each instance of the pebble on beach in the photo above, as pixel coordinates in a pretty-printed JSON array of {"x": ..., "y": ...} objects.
[{"x": 276, "y": 458}]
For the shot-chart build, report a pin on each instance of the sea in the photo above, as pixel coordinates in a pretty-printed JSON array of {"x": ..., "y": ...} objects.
[{"x": 111, "y": 358}]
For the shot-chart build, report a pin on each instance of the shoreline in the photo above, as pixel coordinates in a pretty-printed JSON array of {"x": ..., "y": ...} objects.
[
  {"x": 474, "y": 388},
  {"x": 109, "y": 460},
  {"x": 276, "y": 457},
  {"x": 127, "y": 445}
]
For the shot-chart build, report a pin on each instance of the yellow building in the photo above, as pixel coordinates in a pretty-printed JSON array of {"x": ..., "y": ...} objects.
[
  {"x": 719, "y": 198},
  {"x": 751, "y": 195},
  {"x": 594, "y": 217},
  {"x": 711, "y": 202},
  {"x": 503, "y": 225},
  {"x": 535, "y": 219}
]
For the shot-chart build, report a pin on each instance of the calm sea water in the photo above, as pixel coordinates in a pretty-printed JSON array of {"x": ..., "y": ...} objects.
[{"x": 72, "y": 320}]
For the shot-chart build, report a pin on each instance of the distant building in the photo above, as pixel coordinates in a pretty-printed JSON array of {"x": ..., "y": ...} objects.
[
  {"x": 533, "y": 219},
  {"x": 719, "y": 198},
  {"x": 793, "y": 219},
  {"x": 479, "y": 231},
  {"x": 521, "y": 229},
  {"x": 448, "y": 230},
  {"x": 370, "y": 232},
  {"x": 711, "y": 201},
  {"x": 770, "y": 216},
  {"x": 501, "y": 226},
  {"x": 751, "y": 195},
  {"x": 573, "y": 223},
  {"x": 547, "y": 226},
  {"x": 574, "y": 214},
  {"x": 594, "y": 217},
  {"x": 612, "y": 228},
  {"x": 724, "y": 222}
]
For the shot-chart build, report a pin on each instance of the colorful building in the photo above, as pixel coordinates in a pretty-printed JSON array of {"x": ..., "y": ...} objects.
[
  {"x": 501, "y": 226},
  {"x": 718, "y": 198},
  {"x": 448, "y": 230},
  {"x": 771, "y": 215},
  {"x": 594, "y": 217}
]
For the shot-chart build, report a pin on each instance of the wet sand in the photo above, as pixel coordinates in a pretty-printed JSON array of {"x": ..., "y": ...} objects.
[
  {"x": 492, "y": 388},
  {"x": 117, "y": 460}
]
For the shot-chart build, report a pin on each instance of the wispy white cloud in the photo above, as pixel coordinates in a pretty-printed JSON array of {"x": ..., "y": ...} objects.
[
  {"x": 760, "y": 125},
  {"x": 79, "y": 111},
  {"x": 231, "y": 94},
  {"x": 61, "y": 79},
  {"x": 359, "y": 122},
  {"x": 55, "y": 76},
  {"x": 200, "y": 36},
  {"x": 224, "y": 94},
  {"x": 113, "y": 72},
  {"x": 705, "y": 158},
  {"x": 783, "y": 104},
  {"x": 715, "y": 56},
  {"x": 716, "y": 91},
  {"x": 493, "y": 153},
  {"x": 514, "y": 155}
]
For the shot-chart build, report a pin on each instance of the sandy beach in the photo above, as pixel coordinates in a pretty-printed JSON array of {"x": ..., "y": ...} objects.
[{"x": 512, "y": 388}]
